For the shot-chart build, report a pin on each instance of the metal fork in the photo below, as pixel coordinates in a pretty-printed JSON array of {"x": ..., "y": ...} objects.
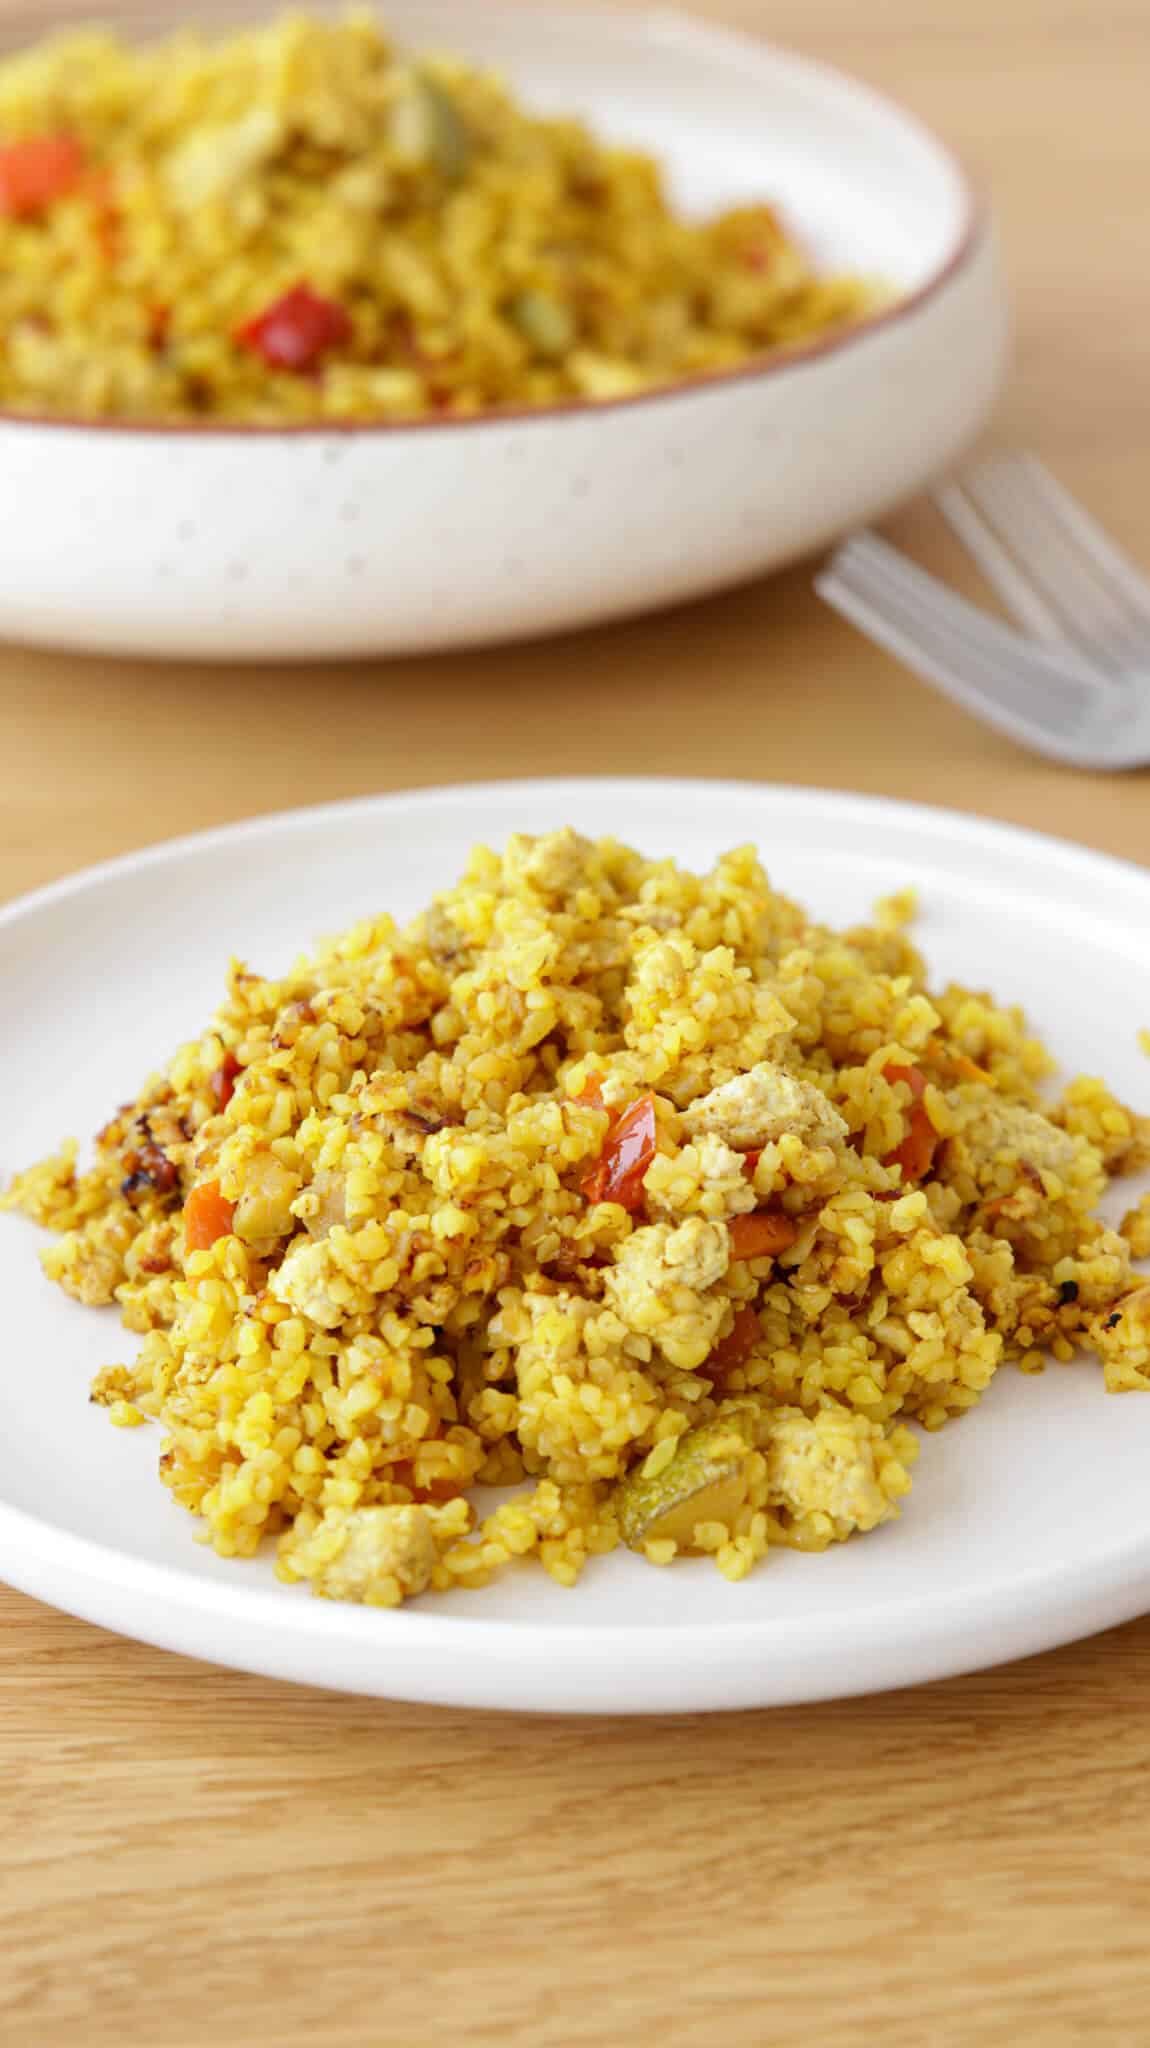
[
  {"x": 1081, "y": 695},
  {"x": 1052, "y": 565}
]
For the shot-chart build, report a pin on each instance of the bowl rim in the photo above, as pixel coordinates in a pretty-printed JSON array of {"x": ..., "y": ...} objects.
[{"x": 661, "y": 22}]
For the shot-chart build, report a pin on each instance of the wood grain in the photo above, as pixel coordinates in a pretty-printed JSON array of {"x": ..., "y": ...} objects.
[{"x": 191, "y": 1855}]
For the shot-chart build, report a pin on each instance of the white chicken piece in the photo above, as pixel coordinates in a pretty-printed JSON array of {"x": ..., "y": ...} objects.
[
  {"x": 659, "y": 1287},
  {"x": 763, "y": 1104},
  {"x": 380, "y": 1555}
]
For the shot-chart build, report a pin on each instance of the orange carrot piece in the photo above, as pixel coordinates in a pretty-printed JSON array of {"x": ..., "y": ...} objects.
[
  {"x": 207, "y": 1215},
  {"x": 761, "y": 1235},
  {"x": 913, "y": 1076},
  {"x": 736, "y": 1346},
  {"x": 590, "y": 1094},
  {"x": 916, "y": 1153},
  {"x": 969, "y": 1069}
]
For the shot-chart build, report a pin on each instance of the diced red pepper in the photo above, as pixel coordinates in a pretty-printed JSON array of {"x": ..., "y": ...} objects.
[
  {"x": 222, "y": 1085},
  {"x": 297, "y": 331},
  {"x": 916, "y": 1153},
  {"x": 207, "y": 1215},
  {"x": 631, "y": 1145},
  {"x": 736, "y": 1346},
  {"x": 761, "y": 1235},
  {"x": 38, "y": 171},
  {"x": 751, "y": 1162}
]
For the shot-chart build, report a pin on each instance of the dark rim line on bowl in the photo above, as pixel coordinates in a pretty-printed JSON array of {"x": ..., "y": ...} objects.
[{"x": 974, "y": 227}]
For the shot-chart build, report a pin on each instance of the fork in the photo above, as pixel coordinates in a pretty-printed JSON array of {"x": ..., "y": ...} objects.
[
  {"x": 1052, "y": 565},
  {"x": 1079, "y": 690}
]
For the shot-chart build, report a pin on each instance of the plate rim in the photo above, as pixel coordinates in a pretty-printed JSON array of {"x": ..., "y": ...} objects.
[
  {"x": 259, "y": 824},
  {"x": 1118, "y": 1582}
]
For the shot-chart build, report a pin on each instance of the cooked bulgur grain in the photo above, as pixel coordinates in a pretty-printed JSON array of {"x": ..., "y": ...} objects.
[
  {"x": 299, "y": 223},
  {"x": 636, "y": 1190}
]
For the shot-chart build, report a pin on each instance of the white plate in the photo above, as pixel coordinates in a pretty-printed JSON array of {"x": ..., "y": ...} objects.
[
  {"x": 238, "y": 544},
  {"x": 1029, "y": 1523}
]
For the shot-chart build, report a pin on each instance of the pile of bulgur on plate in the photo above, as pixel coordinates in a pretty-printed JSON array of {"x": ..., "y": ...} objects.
[
  {"x": 636, "y": 1191},
  {"x": 299, "y": 223}
]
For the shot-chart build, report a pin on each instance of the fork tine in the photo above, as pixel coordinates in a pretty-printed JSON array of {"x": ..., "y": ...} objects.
[
  {"x": 1127, "y": 580},
  {"x": 1010, "y": 495},
  {"x": 983, "y": 667},
  {"x": 1087, "y": 612},
  {"x": 1029, "y": 607},
  {"x": 889, "y": 572}
]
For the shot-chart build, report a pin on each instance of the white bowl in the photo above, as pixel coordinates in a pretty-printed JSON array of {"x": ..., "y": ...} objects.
[{"x": 219, "y": 542}]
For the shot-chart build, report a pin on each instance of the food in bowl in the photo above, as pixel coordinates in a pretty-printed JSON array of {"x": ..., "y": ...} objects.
[
  {"x": 642, "y": 1193},
  {"x": 298, "y": 223}
]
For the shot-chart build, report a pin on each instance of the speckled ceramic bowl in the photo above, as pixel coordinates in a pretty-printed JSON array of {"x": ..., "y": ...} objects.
[{"x": 218, "y": 542}]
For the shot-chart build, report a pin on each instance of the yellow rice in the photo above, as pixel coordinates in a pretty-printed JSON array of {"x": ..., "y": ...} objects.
[
  {"x": 483, "y": 257},
  {"x": 423, "y": 1289}
]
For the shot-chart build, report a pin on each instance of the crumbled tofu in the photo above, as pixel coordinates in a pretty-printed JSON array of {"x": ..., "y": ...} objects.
[
  {"x": 764, "y": 1104},
  {"x": 303, "y": 1282},
  {"x": 323, "y": 1204},
  {"x": 659, "y": 1287},
  {"x": 1010, "y": 1126},
  {"x": 836, "y": 1464},
  {"x": 696, "y": 1254},
  {"x": 551, "y": 864},
  {"x": 213, "y": 161},
  {"x": 380, "y": 1555}
]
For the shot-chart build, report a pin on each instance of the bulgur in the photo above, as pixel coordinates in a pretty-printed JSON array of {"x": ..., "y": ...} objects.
[
  {"x": 636, "y": 1191},
  {"x": 299, "y": 223}
]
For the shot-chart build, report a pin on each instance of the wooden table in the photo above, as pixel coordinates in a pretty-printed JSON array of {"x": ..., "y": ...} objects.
[{"x": 194, "y": 1856}]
